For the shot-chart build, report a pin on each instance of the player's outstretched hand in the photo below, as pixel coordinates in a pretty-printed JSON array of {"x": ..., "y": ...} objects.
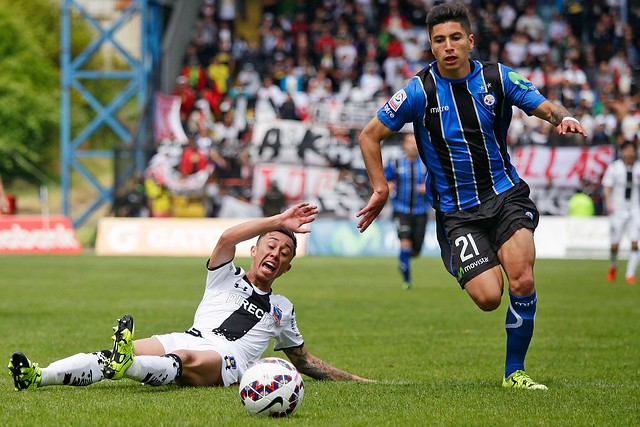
[
  {"x": 298, "y": 215},
  {"x": 371, "y": 211},
  {"x": 570, "y": 125}
]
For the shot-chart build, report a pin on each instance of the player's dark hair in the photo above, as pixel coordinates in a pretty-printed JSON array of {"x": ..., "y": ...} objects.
[
  {"x": 288, "y": 233},
  {"x": 449, "y": 12},
  {"x": 628, "y": 142}
]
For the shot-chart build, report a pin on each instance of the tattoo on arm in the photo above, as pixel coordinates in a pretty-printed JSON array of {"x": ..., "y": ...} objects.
[
  {"x": 559, "y": 113},
  {"x": 314, "y": 367}
]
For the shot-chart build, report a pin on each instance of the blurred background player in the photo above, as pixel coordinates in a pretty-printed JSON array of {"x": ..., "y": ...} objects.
[
  {"x": 407, "y": 178},
  {"x": 621, "y": 193}
]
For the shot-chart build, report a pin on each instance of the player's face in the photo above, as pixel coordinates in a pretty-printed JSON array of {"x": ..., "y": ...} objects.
[
  {"x": 272, "y": 256},
  {"x": 450, "y": 44},
  {"x": 628, "y": 154}
]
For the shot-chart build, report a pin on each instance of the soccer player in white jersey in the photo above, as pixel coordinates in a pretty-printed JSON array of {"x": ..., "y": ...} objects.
[
  {"x": 621, "y": 186},
  {"x": 233, "y": 325}
]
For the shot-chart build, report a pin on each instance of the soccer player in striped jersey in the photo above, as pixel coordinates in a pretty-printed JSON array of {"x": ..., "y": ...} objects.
[
  {"x": 236, "y": 320},
  {"x": 407, "y": 177},
  {"x": 460, "y": 110},
  {"x": 621, "y": 187}
]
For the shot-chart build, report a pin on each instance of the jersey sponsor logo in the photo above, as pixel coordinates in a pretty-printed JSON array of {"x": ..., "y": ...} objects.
[
  {"x": 388, "y": 111},
  {"x": 472, "y": 265},
  {"x": 438, "y": 110},
  {"x": 397, "y": 99},
  {"x": 248, "y": 306},
  {"x": 277, "y": 314},
  {"x": 521, "y": 81}
]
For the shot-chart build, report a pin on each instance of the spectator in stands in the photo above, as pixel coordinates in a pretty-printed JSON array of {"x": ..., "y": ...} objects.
[
  {"x": 274, "y": 200},
  {"x": 4, "y": 200},
  {"x": 192, "y": 160},
  {"x": 530, "y": 23},
  {"x": 187, "y": 98},
  {"x": 133, "y": 203},
  {"x": 581, "y": 205},
  {"x": 200, "y": 117},
  {"x": 219, "y": 73}
]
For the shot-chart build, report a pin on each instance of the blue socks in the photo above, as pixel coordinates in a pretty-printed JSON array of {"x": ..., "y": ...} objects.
[
  {"x": 519, "y": 325},
  {"x": 405, "y": 258}
]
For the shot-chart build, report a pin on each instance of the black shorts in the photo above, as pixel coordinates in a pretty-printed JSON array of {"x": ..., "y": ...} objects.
[
  {"x": 469, "y": 239},
  {"x": 411, "y": 227}
]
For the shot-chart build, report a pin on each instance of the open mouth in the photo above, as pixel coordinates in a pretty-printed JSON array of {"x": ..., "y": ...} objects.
[
  {"x": 268, "y": 265},
  {"x": 450, "y": 59}
]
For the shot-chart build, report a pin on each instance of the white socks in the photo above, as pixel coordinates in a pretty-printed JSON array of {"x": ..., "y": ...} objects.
[
  {"x": 78, "y": 370},
  {"x": 155, "y": 370}
]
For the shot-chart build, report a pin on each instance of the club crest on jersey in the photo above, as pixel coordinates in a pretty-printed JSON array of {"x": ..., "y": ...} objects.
[
  {"x": 230, "y": 362},
  {"x": 277, "y": 314},
  {"x": 397, "y": 99},
  {"x": 489, "y": 100}
]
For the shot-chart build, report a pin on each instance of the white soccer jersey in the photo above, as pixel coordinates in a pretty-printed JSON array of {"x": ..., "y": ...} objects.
[
  {"x": 243, "y": 318},
  {"x": 624, "y": 183}
]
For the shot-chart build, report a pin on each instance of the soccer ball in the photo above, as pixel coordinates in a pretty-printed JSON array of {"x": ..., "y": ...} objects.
[{"x": 272, "y": 387}]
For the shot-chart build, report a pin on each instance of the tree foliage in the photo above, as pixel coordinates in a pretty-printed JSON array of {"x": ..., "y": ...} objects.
[{"x": 29, "y": 92}]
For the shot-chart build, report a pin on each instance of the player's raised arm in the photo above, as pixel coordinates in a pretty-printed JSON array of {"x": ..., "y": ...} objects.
[
  {"x": 370, "y": 139},
  {"x": 293, "y": 219},
  {"x": 316, "y": 368}
]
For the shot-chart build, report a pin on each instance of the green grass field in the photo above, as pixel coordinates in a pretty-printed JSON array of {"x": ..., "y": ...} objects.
[{"x": 437, "y": 358}]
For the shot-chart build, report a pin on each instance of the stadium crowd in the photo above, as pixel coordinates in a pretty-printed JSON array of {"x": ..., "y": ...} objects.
[{"x": 585, "y": 54}]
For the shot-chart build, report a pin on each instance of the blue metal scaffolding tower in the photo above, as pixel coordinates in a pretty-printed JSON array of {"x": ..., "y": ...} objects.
[{"x": 139, "y": 83}]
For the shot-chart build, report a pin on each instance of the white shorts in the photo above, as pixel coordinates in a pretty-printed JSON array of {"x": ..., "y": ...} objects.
[
  {"x": 233, "y": 365},
  {"x": 621, "y": 220}
]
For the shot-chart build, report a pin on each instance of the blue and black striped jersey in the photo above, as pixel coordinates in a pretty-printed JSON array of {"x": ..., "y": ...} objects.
[
  {"x": 461, "y": 130},
  {"x": 408, "y": 176}
]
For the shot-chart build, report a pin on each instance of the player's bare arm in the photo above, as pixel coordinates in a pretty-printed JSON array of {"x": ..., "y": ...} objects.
[
  {"x": 293, "y": 218},
  {"x": 560, "y": 117},
  {"x": 316, "y": 368},
  {"x": 370, "y": 138}
]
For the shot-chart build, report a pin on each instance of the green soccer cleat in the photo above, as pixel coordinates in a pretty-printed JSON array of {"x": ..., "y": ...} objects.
[
  {"x": 26, "y": 375},
  {"x": 520, "y": 379},
  {"x": 122, "y": 355},
  {"x": 407, "y": 286}
]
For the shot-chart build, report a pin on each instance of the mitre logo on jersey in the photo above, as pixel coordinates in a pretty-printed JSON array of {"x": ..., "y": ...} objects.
[{"x": 397, "y": 99}]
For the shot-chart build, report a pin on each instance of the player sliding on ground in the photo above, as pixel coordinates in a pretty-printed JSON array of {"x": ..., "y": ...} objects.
[{"x": 233, "y": 325}]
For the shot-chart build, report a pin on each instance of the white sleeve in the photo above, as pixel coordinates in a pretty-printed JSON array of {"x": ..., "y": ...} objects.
[
  {"x": 290, "y": 335},
  {"x": 219, "y": 274}
]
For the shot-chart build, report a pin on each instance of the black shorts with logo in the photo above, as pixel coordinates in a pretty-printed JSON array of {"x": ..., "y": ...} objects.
[
  {"x": 469, "y": 239},
  {"x": 412, "y": 227}
]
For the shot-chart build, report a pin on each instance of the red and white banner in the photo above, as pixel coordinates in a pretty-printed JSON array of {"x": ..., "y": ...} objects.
[
  {"x": 166, "y": 120},
  {"x": 563, "y": 166},
  {"x": 296, "y": 182},
  {"x": 38, "y": 235}
]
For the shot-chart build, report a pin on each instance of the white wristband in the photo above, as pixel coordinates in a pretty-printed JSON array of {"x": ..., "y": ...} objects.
[{"x": 573, "y": 119}]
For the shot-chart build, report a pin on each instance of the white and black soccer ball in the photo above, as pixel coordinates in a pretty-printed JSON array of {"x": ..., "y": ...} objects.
[{"x": 272, "y": 387}]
